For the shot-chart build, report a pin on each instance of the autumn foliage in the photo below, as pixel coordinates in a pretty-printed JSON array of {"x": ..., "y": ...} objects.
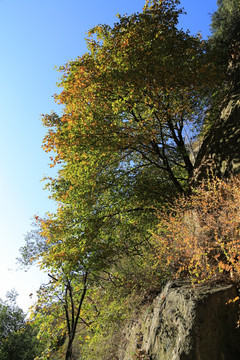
[
  {"x": 132, "y": 107},
  {"x": 200, "y": 236}
]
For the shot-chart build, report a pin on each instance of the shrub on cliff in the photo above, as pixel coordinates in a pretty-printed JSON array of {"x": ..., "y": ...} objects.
[{"x": 200, "y": 236}]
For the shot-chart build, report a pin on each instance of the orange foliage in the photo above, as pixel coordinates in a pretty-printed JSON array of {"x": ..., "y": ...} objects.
[{"x": 200, "y": 236}]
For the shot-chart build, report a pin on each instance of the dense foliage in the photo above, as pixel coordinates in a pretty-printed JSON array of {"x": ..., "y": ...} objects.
[
  {"x": 226, "y": 27},
  {"x": 18, "y": 338},
  {"x": 133, "y": 107}
]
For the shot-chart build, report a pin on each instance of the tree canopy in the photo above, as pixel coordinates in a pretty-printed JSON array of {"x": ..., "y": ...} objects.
[{"x": 133, "y": 105}]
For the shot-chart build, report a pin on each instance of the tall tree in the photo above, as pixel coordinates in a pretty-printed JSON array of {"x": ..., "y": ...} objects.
[{"x": 131, "y": 106}]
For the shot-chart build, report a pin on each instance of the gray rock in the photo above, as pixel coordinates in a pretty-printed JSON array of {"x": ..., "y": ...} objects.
[
  {"x": 219, "y": 153},
  {"x": 186, "y": 323}
]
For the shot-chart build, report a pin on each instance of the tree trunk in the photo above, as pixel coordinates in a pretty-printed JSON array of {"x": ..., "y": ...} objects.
[{"x": 69, "y": 352}]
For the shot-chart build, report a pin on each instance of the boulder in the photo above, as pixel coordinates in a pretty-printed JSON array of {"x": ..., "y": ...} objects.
[{"x": 186, "y": 323}]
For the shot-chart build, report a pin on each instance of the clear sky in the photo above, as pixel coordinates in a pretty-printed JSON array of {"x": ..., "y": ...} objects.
[{"x": 36, "y": 36}]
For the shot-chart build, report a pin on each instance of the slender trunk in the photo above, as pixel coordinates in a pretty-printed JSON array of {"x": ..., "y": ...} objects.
[
  {"x": 71, "y": 319},
  {"x": 69, "y": 351}
]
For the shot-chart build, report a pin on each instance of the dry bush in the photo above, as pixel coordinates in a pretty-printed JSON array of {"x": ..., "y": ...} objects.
[{"x": 200, "y": 236}]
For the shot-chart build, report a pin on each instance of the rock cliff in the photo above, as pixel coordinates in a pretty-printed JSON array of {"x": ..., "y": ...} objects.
[
  {"x": 219, "y": 154},
  {"x": 186, "y": 323}
]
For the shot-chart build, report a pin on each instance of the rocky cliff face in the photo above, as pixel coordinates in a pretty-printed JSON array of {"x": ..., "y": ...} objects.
[
  {"x": 220, "y": 151},
  {"x": 186, "y": 323}
]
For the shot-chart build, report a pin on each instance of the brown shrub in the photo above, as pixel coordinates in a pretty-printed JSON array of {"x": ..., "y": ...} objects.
[{"x": 200, "y": 236}]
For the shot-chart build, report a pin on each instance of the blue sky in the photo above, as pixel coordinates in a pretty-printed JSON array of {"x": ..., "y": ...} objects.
[{"x": 36, "y": 36}]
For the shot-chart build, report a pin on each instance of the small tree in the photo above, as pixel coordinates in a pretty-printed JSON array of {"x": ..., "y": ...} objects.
[
  {"x": 18, "y": 338},
  {"x": 59, "y": 312}
]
